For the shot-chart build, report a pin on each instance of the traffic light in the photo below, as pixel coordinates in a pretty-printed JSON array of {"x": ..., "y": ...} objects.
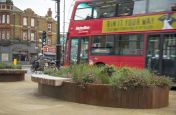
[{"x": 43, "y": 38}]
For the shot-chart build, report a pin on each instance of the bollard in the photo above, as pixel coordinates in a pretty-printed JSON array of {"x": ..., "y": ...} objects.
[{"x": 14, "y": 61}]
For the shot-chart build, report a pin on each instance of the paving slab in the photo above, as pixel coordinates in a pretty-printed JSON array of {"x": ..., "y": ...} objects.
[{"x": 22, "y": 98}]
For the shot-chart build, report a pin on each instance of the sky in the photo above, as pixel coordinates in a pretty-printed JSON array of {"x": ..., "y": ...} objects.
[{"x": 41, "y": 7}]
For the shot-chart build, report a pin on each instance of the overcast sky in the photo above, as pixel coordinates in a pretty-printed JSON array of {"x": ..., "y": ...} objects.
[{"x": 40, "y": 7}]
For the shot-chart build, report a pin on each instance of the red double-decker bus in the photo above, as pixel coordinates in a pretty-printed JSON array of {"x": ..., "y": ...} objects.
[{"x": 134, "y": 33}]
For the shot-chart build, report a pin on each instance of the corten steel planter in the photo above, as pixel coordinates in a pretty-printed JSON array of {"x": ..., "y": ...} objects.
[
  {"x": 12, "y": 75},
  {"x": 106, "y": 95}
]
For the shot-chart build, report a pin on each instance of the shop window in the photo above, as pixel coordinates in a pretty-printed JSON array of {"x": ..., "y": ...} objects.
[{"x": 4, "y": 57}]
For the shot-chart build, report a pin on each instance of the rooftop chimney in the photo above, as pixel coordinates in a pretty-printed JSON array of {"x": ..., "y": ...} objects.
[{"x": 49, "y": 13}]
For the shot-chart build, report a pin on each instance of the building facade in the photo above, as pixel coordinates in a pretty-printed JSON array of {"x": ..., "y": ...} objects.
[{"x": 21, "y": 32}]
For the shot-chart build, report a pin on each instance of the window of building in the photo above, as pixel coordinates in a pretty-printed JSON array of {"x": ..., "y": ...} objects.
[
  {"x": 49, "y": 41},
  {"x": 8, "y": 7},
  {"x": 3, "y": 7},
  {"x": 24, "y": 21},
  {"x": 3, "y": 19},
  {"x": 0, "y": 34},
  {"x": 25, "y": 36},
  {"x": 8, "y": 19},
  {"x": 5, "y": 57},
  {"x": 83, "y": 11},
  {"x": 8, "y": 35},
  {"x": 32, "y": 36},
  {"x": 0, "y": 18},
  {"x": 122, "y": 45},
  {"x": 49, "y": 27},
  {"x": 32, "y": 22},
  {"x": 3, "y": 34}
]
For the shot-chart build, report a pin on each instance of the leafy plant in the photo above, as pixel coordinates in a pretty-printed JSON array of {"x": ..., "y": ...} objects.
[
  {"x": 123, "y": 77},
  {"x": 9, "y": 66},
  {"x": 108, "y": 70},
  {"x": 131, "y": 77}
]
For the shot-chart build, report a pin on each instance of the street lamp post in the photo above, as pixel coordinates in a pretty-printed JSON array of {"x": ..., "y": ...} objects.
[{"x": 58, "y": 45}]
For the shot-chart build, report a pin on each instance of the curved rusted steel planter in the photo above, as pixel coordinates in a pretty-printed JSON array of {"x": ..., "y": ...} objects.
[
  {"x": 105, "y": 95},
  {"x": 12, "y": 75}
]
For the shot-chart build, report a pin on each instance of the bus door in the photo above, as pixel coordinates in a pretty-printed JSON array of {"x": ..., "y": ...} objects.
[
  {"x": 79, "y": 50},
  {"x": 161, "y": 54}
]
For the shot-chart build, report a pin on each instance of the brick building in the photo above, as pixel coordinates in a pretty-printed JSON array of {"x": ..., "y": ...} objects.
[{"x": 20, "y": 33}]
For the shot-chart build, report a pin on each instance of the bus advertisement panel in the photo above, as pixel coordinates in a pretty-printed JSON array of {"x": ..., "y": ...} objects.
[{"x": 140, "y": 23}]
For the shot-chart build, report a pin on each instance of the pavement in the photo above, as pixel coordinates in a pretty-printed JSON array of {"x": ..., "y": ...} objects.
[{"x": 22, "y": 98}]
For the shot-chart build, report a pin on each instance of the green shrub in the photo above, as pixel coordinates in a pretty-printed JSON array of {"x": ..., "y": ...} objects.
[
  {"x": 9, "y": 66},
  {"x": 126, "y": 77},
  {"x": 108, "y": 70},
  {"x": 84, "y": 73},
  {"x": 123, "y": 77}
]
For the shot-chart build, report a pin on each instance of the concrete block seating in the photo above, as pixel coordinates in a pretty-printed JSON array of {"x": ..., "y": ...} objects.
[{"x": 48, "y": 80}]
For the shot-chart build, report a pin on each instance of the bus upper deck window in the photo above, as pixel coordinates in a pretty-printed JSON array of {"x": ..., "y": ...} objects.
[
  {"x": 83, "y": 11},
  {"x": 104, "y": 10},
  {"x": 140, "y": 7},
  {"x": 125, "y": 8},
  {"x": 166, "y": 5}
]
